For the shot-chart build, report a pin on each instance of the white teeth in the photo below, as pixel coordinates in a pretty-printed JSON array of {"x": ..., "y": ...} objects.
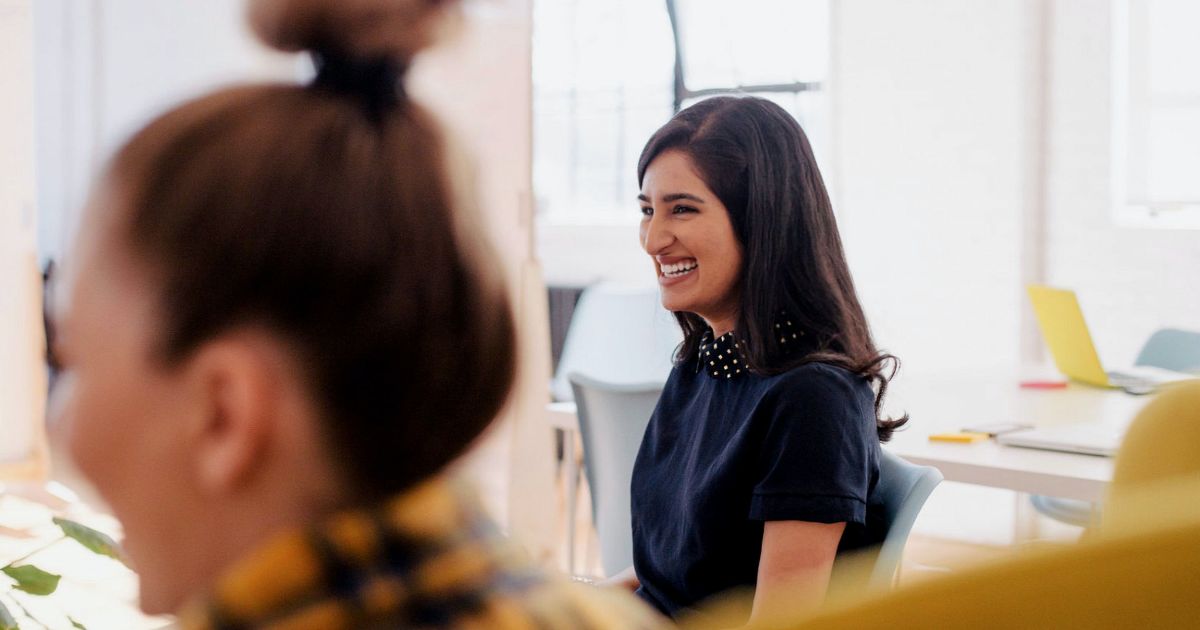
[{"x": 679, "y": 269}]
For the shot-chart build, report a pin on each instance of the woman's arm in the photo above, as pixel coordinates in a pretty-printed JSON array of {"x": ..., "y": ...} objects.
[
  {"x": 795, "y": 564},
  {"x": 625, "y": 579}
]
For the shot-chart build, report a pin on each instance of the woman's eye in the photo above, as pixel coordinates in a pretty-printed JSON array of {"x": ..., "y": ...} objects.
[
  {"x": 647, "y": 211},
  {"x": 682, "y": 209}
]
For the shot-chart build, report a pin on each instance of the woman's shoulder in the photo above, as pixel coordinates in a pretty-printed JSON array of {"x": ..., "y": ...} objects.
[
  {"x": 826, "y": 394},
  {"x": 819, "y": 376},
  {"x": 819, "y": 385}
]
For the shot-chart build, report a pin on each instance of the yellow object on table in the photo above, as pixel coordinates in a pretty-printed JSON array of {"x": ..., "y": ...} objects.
[{"x": 964, "y": 437}]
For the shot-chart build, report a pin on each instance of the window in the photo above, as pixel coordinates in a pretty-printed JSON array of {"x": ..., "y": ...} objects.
[
  {"x": 608, "y": 73},
  {"x": 1156, "y": 79}
]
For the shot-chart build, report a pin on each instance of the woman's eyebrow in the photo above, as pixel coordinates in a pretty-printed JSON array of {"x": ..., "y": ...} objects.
[{"x": 674, "y": 197}]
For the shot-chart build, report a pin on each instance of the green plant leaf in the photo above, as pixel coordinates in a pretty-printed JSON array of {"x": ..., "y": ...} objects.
[
  {"x": 97, "y": 541},
  {"x": 32, "y": 580},
  {"x": 76, "y": 624},
  {"x": 6, "y": 619}
]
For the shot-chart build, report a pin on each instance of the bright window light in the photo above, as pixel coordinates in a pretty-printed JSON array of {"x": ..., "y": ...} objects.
[
  {"x": 1156, "y": 152},
  {"x": 604, "y": 79}
]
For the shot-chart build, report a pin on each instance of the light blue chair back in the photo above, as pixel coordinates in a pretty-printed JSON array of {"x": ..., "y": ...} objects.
[
  {"x": 612, "y": 420},
  {"x": 900, "y": 493},
  {"x": 1172, "y": 349},
  {"x": 619, "y": 334}
]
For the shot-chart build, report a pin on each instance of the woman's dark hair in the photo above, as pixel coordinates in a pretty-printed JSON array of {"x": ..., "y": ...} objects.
[
  {"x": 327, "y": 215},
  {"x": 757, "y": 160}
]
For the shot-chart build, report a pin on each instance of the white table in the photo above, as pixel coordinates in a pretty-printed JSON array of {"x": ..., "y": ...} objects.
[{"x": 948, "y": 404}]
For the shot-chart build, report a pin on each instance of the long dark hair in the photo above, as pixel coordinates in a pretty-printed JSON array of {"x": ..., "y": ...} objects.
[{"x": 757, "y": 160}]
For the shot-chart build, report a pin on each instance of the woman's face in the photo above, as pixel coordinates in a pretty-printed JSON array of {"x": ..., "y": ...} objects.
[
  {"x": 123, "y": 416},
  {"x": 687, "y": 232}
]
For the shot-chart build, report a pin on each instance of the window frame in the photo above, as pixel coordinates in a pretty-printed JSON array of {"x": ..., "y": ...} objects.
[
  {"x": 683, "y": 94},
  {"x": 589, "y": 213}
]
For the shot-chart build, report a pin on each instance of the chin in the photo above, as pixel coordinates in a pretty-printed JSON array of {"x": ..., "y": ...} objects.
[
  {"x": 677, "y": 306},
  {"x": 675, "y": 302}
]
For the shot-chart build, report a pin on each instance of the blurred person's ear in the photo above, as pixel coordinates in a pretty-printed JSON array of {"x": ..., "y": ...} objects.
[{"x": 241, "y": 388}]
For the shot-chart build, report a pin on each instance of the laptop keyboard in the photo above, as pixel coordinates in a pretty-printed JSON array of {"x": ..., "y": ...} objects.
[{"x": 1132, "y": 384}]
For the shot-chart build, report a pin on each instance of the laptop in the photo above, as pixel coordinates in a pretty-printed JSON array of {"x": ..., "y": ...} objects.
[
  {"x": 1087, "y": 438},
  {"x": 1066, "y": 333}
]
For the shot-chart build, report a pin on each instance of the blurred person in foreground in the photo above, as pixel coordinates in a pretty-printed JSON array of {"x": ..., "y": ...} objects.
[{"x": 281, "y": 325}]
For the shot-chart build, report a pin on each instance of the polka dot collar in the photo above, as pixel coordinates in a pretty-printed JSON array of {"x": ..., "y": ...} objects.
[{"x": 722, "y": 358}]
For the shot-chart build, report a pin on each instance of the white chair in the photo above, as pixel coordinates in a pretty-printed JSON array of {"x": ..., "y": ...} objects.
[
  {"x": 618, "y": 334},
  {"x": 612, "y": 420}
]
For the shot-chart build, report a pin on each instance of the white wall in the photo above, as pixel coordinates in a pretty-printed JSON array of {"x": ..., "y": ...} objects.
[
  {"x": 1130, "y": 281},
  {"x": 931, "y": 165},
  {"x": 584, "y": 254},
  {"x": 22, "y": 376},
  {"x": 105, "y": 68},
  {"x": 936, "y": 162}
]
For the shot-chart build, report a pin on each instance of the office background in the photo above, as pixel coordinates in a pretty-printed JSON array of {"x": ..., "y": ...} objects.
[{"x": 972, "y": 146}]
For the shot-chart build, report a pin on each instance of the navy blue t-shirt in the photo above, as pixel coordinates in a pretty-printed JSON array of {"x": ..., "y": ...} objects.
[{"x": 727, "y": 450}]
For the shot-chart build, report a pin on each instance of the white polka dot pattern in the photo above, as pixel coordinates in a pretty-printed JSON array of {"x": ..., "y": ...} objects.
[{"x": 729, "y": 361}]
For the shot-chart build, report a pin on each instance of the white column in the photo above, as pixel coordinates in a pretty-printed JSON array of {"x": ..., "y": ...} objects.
[{"x": 479, "y": 82}]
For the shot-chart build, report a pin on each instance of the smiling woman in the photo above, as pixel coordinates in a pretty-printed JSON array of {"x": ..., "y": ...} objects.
[{"x": 758, "y": 461}]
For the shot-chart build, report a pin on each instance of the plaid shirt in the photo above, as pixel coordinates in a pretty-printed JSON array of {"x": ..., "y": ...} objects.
[{"x": 427, "y": 559}]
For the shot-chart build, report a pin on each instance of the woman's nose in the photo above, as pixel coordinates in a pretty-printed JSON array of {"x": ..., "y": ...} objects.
[{"x": 656, "y": 236}]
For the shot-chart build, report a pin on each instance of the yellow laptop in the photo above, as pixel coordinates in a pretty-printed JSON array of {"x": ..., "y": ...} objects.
[{"x": 1066, "y": 333}]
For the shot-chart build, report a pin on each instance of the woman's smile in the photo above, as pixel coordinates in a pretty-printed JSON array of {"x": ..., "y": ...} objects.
[{"x": 671, "y": 274}]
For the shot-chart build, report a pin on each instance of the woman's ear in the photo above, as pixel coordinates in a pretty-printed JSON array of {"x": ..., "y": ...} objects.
[{"x": 237, "y": 379}]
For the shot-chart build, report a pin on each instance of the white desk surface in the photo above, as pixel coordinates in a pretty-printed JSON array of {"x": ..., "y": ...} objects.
[{"x": 947, "y": 404}]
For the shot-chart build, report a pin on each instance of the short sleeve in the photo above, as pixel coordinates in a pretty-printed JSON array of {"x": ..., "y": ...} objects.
[{"x": 819, "y": 454}]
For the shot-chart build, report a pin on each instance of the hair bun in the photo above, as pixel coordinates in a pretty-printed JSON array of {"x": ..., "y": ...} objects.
[{"x": 396, "y": 29}]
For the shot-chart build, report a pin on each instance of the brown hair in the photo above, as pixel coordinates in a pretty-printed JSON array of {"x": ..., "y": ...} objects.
[
  {"x": 331, "y": 221},
  {"x": 756, "y": 158}
]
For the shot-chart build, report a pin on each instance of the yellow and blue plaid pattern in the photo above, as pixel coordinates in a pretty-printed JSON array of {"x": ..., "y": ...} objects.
[{"x": 428, "y": 559}]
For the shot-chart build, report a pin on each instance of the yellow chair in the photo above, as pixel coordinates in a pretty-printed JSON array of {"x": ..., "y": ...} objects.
[
  {"x": 1140, "y": 569},
  {"x": 1160, "y": 450}
]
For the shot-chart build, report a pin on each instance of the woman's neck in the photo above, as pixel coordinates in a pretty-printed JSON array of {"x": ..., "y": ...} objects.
[{"x": 721, "y": 326}]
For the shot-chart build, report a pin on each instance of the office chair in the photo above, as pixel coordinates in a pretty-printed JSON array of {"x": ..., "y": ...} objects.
[
  {"x": 612, "y": 420},
  {"x": 901, "y": 492},
  {"x": 1172, "y": 349},
  {"x": 618, "y": 334},
  {"x": 1161, "y": 446}
]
